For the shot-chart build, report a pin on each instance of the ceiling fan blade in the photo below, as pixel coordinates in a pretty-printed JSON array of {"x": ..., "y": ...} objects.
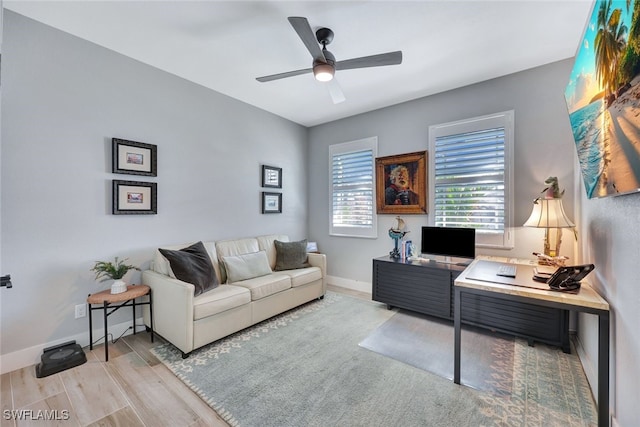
[
  {"x": 283, "y": 75},
  {"x": 302, "y": 27},
  {"x": 337, "y": 96},
  {"x": 389, "y": 58}
]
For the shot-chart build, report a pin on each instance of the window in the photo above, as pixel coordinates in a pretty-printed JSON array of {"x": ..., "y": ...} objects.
[
  {"x": 470, "y": 181},
  {"x": 352, "y": 188}
]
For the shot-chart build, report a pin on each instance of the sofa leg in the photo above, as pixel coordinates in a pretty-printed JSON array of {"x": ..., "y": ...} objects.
[
  {"x": 185, "y": 355},
  {"x": 321, "y": 297}
]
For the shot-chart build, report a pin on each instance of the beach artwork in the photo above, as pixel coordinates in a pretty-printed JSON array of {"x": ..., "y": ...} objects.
[{"x": 603, "y": 99}]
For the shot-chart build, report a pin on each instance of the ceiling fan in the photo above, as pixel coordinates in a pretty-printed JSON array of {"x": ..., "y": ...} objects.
[{"x": 324, "y": 63}]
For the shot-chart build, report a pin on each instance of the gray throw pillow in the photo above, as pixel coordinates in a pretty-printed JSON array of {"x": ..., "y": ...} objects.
[
  {"x": 291, "y": 255},
  {"x": 193, "y": 265}
]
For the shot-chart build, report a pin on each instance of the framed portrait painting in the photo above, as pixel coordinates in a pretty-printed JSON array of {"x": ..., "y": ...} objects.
[
  {"x": 401, "y": 184},
  {"x": 134, "y": 198},
  {"x": 134, "y": 158}
]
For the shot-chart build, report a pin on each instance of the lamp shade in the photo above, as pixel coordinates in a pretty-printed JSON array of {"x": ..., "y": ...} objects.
[
  {"x": 323, "y": 72},
  {"x": 548, "y": 213}
]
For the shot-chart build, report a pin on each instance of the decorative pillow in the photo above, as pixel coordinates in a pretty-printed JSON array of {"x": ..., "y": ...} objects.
[
  {"x": 246, "y": 266},
  {"x": 193, "y": 265},
  {"x": 291, "y": 255}
]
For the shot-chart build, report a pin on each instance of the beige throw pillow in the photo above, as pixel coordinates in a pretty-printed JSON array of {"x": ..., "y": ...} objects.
[{"x": 246, "y": 266}]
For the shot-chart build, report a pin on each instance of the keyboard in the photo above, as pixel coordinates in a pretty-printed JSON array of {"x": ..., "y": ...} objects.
[{"x": 507, "y": 270}]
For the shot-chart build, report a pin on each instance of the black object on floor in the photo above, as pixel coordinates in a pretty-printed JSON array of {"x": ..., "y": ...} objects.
[{"x": 59, "y": 358}]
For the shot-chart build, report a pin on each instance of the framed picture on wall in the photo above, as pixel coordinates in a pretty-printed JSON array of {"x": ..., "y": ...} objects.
[
  {"x": 401, "y": 184},
  {"x": 603, "y": 96},
  {"x": 134, "y": 158},
  {"x": 134, "y": 198},
  {"x": 271, "y": 202},
  {"x": 271, "y": 176}
]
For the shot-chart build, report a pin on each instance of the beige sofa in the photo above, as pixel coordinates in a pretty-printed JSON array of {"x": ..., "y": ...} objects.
[{"x": 189, "y": 322}]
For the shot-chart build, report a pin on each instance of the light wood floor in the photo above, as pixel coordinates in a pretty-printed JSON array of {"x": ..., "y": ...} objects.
[{"x": 132, "y": 389}]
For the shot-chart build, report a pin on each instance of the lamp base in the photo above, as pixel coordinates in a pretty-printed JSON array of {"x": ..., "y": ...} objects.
[{"x": 552, "y": 241}]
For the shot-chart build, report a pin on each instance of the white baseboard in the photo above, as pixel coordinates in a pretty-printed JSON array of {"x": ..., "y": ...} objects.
[
  {"x": 589, "y": 367},
  {"x": 355, "y": 285},
  {"x": 31, "y": 356}
]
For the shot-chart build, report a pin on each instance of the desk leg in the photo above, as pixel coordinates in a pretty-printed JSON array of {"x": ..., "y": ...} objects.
[
  {"x": 106, "y": 334},
  {"x": 457, "y": 334},
  {"x": 603, "y": 370}
]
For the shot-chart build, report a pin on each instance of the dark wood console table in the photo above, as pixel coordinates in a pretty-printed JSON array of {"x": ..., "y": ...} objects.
[
  {"x": 428, "y": 287},
  {"x": 586, "y": 300}
]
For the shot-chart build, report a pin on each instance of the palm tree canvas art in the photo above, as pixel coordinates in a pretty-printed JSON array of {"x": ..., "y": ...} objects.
[{"x": 603, "y": 99}]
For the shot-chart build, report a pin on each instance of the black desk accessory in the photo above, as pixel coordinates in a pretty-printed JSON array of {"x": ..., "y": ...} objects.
[{"x": 565, "y": 278}]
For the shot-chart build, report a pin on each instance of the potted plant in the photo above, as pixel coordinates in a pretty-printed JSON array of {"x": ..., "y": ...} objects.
[{"x": 116, "y": 270}]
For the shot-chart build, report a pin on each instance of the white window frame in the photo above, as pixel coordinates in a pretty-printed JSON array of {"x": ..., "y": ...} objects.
[
  {"x": 505, "y": 119},
  {"x": 365, "y": 144}
]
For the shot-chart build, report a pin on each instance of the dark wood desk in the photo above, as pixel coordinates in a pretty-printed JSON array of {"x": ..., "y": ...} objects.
[{"x": 586, "y": 300}]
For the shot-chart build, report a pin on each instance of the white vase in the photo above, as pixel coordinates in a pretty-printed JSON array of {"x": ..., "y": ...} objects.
[{"x": 119, "y": 286}]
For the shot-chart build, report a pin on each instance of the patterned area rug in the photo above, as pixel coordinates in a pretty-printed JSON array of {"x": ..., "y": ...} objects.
[
  {"x": 305, "y": 368},
  {"x": 526, "y": 386}
]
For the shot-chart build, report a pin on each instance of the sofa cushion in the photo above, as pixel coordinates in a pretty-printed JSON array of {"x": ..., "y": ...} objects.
[
  {"x": 266, "y": 243},
  {"x": 264, "y": 286},
  {"x": 303, "y": 276},
  {"x": 246, "y": 266},
  {"x": 222, "y": 298},
  {"x": 291, "y": 255},
  {"x": 192, "y": 265}
]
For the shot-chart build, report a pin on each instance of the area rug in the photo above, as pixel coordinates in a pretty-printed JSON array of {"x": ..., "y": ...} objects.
[
  {"x": 305, "y": 368},
  {"x": 427, "y": 343}
]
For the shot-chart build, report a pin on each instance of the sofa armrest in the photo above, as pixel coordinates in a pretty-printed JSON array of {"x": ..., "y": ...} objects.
[
  {"x": 318, "y": 260},
  {"x": 172, "y": 309}
]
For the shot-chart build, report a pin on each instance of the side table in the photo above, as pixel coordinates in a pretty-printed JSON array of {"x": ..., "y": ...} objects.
[{"x": 105, "y": 300}]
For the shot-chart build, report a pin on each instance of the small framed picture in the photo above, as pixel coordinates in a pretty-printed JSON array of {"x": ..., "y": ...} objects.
[
  {"x": 271, "y": 202},
  {"x": 134, "y": 198},
  {"x": 134, "y": 158},
  {"x": 271, "y": 176}
]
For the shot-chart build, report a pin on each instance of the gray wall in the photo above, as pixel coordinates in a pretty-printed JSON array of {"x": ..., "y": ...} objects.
[
  {"x": 609, "y": 234},
  {"x": 63, "y": 100},
  {"x": 611, "y": 240},
  {"x": 543, "y": 147}
]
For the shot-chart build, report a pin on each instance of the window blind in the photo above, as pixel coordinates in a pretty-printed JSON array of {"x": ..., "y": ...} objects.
[
  {"x": 353, "y": 197},
  {"x": 353, "y": 189},
  {"x": 469, "y": 180}
]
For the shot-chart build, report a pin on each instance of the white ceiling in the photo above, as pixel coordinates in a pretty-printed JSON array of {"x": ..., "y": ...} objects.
[{"x": 225, "y": 45}]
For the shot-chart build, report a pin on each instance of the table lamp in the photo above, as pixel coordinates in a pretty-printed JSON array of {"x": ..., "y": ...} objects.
[{"x": 549, "y": 214}]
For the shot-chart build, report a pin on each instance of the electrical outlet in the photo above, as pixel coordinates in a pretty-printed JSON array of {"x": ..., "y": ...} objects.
[{"x": 81, "y": 310}]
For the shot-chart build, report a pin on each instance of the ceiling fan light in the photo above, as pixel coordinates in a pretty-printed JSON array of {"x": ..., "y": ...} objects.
[{"x": 323, "y": 72}]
